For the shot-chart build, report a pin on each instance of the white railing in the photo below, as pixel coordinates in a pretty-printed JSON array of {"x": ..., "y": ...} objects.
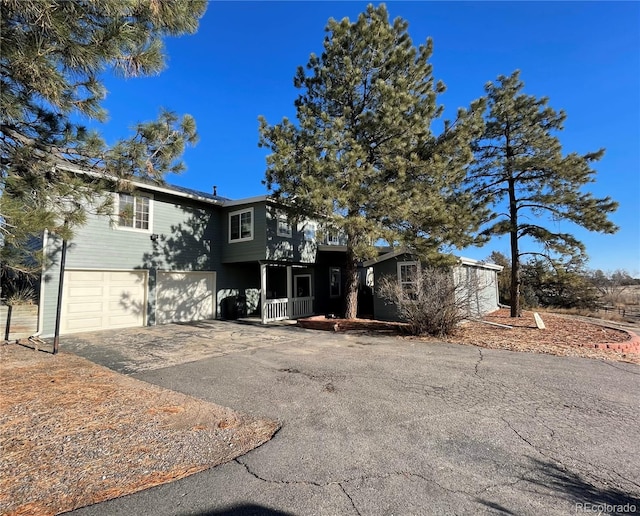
[
  {"x": 302, "y": 307},
  {"x": 276, "y": 309}
]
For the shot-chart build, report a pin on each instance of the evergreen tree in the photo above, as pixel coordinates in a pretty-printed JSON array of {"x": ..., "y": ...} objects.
[
  {"x": 362, "y": 155},
  {"x": 504, "y": 277},
  {"x": 519, "y": 160},
  {"x": 53, "y": 56}
]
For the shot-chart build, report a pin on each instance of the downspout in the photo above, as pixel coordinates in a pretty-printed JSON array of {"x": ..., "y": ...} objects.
[{"x": 63, "y": 258}]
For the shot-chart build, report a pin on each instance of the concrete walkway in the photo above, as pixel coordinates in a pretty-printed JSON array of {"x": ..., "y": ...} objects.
[{"x": 380, "y": 425}]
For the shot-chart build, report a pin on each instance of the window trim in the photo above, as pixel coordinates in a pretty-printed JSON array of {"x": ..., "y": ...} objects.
[
  {"x": 339, "y": 271},
  {"x": 239, "y": 214},
  {"x": 413, "y": 283},
  {"x": 282, "y": 217},
  {"x": 135, "y": 196}
]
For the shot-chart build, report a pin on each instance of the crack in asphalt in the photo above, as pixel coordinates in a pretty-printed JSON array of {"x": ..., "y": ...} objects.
[
  {"x": 524, "y": 439},
  {"x": 591, "y": 474},
  {"x": 362, "y": 478},
  {"x": 353, "y": 504},
  {"x": 478, "y": 363}
]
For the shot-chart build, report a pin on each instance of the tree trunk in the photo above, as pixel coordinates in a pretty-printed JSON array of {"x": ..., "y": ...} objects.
[
  {"x": 513, "y": 232},
  {"x": 352, "y": 280},
  {"x": 515, "y": 253},
  {"x": 351, "y": 294}
]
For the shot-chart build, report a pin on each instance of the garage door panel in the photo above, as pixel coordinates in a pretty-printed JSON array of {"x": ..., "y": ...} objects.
[
  {"x": 98, "y": 300},
  {"x": 82, "y": 308},
  {"x": 185, "y": 296}
]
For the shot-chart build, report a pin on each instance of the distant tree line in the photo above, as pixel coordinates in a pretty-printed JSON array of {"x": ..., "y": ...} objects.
[{"x": 546, "y": 283}]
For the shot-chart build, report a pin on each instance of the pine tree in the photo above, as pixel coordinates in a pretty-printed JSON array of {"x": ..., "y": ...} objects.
[
  {"x": 53, "y": 55},
  {"x": 362, "y": 155},
  {"x": 519, "y": 160}
]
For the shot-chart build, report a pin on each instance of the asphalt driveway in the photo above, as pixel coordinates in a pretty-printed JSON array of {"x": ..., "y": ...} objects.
[{"x": 381, "y": 425}]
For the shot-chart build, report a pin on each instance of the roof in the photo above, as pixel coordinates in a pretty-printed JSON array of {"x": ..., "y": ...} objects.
[{"x": 461, "y": 260}]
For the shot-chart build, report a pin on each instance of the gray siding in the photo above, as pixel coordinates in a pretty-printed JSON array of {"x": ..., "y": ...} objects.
[
  {"x": 241, "y": 279},
  {"x": 250, "y": 250},
  {"x": 189, "y": 238},
  {"x": 481, "y": 288},
  {"x": 385, "y": 310},
  {"x": 287, "y": 249}
]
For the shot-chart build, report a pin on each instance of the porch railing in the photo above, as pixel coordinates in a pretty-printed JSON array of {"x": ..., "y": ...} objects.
[
  {"x": 302, "y": 307},
  {"x": 278, "y": 309}
]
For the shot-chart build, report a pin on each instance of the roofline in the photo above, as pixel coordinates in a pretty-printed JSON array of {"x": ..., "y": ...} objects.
[
  {"x": 478, "y": 263},
  {"x": 461, "y": 260},
  {"x": 386, "y": 256},
  {"x": 144, "y": 186},
  {"x": 247, "y": 200}
]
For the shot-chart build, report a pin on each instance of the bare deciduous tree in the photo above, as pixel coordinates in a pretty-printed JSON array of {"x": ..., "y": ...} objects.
[{"x": 437, "y": 300}]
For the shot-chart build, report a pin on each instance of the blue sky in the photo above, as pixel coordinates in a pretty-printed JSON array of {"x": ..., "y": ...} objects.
[{"x": 584, "y": 56}]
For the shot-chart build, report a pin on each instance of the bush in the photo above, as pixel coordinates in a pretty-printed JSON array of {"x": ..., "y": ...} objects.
[{"x": 437, "y": 304}]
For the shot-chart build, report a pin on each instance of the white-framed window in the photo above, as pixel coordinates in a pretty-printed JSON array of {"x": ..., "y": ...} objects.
[
  {"x": 333, "y": 238},
  {"x": 241, "y": 225},
  {"x": 134, "y": 212},
  {"x": 335, "y": 282},
  {"x": 408, "y": 277},
  {"x": 284, "y": 225}
]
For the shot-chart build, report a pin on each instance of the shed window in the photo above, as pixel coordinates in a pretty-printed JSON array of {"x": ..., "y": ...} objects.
[{"x": 408, "y": 277}]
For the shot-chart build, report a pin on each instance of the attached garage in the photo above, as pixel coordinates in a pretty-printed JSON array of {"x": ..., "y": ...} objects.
[
  {"x": 103, "y": 299},
  {"x": 185, "y": 296}
]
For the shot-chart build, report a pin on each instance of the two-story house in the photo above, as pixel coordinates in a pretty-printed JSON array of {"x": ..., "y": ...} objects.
[{"x": 172, "y": 254}]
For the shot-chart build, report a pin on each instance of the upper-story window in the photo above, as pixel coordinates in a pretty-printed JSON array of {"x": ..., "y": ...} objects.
[
  {"x": 284, "y": 226},
  {"x": 333, "y": 238},
  {"x": 309, "y": 231},
  {"x": 134, "y": 211},
  {"x": 241, "y": 225}
]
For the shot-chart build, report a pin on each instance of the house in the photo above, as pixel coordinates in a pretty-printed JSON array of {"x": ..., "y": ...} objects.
[
  {"x": 479, "y": 281},
  {"x": 172, "y": 254}
]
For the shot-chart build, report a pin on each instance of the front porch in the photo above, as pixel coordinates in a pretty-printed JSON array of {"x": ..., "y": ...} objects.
[{"x": 285, "y": 295}]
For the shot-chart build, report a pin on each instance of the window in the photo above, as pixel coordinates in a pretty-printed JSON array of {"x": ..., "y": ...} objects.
[
  {"x": 284, "y": 226},
  {"x": 134, "y": 212},
  {"x": 302, "y": 285},
  {"x": 241, "y": 225},
  {"x": 333, "y": 238},
  {"x": 309, "y": 231},
  {"x": 335, "y": 283},
  {"x": 408, "y": 277}
]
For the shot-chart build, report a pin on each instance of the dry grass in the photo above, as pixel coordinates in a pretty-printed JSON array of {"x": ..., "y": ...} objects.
[{"x": 73, "y": 433}]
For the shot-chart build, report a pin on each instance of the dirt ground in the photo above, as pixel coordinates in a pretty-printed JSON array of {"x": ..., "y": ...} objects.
[
  {"x": 564, "y": 336},
  {"x": 73, "y": 433}
]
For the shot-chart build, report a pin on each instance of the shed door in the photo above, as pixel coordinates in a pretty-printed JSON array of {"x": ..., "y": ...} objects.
[
  {"x": 185, "y": 296},
  {"x": 101, "y": 300}
]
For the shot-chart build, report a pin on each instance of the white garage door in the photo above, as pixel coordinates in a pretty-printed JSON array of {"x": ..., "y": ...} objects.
[
  {"x": 184, "y": 296},
  {"x": 101, "y": 300}
]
